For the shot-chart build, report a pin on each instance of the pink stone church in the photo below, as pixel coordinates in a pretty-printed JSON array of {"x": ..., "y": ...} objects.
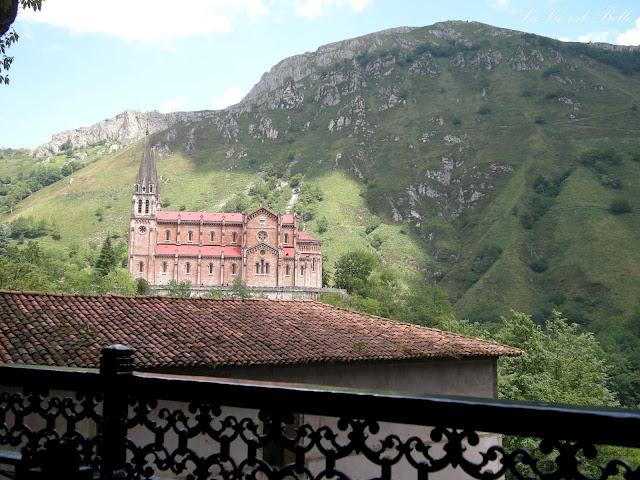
[{"x": 266, "y": 250}]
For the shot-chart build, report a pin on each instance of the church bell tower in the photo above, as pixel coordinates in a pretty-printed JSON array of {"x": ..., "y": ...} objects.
[{"x": 145, "y": 202}]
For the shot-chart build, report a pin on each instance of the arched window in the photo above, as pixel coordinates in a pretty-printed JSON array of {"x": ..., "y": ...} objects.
[
  {"x": 233, "y": 269},
  {"x": 164, "y": 267},
  {"x": 167, "y": 235},
  {"x": 146, "y": 206},
  {"x": 286, "y": 238},
  {"x": 313, "y": 264},
  {"x": 211, "y": 236},
  {"x": 210, "y": 268},
  {"x": 267, "y": 269},
  {"x": 150, "y": 188},
  {"x": 187, "y": 268},
  {"x": 141, "y": 267},
  {"x": 137, "y": 188},
  {"x": 301, "y": 270},
  {"x": 139, "y": 206},
  {"x": 287, "y": 270},
  {"x": 257, "y": 268},
  {"x": 190, "y": 235},
  {"x": 234, "y": 237}
]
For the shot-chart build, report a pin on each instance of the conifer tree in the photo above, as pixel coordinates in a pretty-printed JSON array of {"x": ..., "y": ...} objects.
[{"x": 107, "y": 260}]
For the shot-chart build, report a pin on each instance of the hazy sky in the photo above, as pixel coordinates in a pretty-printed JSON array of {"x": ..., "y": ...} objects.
[{"x": 80, "y": 61}]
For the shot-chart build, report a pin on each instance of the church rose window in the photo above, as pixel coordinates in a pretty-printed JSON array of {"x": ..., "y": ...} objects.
[
  {"x": 262, "y": 236},
  {"x": 142, "y": 229}
]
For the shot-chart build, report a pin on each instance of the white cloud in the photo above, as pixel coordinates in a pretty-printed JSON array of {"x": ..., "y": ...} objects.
[
  {"x": 320, "y": 8},
  {"x": 230, "y": 96},
  {"x": 594, "y": 37},
  {"x": 147, "y": 20},
  {"x": 631, "y": 36},
  {"x": 500, "y": 4},
  {"x": 175, "y": 104}
]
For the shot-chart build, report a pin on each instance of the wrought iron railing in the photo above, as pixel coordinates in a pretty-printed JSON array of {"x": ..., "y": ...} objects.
[{"x": 116, "y": 423}]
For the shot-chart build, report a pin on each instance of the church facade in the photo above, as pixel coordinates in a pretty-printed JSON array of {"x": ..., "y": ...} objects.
[{"x": 266, "y": 250}]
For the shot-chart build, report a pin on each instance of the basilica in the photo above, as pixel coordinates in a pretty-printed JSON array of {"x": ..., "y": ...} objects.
[{"x": 268, "y": 251}]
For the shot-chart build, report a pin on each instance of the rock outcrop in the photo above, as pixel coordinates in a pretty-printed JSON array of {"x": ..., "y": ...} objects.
[{"x": 122, "y": 129}]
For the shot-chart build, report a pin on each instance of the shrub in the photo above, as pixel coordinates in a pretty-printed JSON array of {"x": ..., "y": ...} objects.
[
  {"x": 540, "y": 120},
  {"x": 620, "y": 206},
  {"x": 456, "y": 121},
  {"x": 484, "y": 110},
  {"x": 486, "y": 257},
  {"x": 554, "y": 70},
  {"x": 540, "y": 265}
]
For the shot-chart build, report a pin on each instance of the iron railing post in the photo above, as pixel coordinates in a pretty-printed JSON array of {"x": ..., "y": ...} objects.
[{"x": 116, "y": 361}]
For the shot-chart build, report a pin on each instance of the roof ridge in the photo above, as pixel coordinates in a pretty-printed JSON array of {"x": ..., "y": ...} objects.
[{"x": 424, "y": 327}]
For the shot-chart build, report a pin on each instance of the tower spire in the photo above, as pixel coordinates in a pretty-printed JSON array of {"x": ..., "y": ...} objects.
[{"x": 147, "y": 173}]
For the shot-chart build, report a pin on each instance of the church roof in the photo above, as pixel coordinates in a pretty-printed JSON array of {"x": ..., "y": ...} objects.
[
  {"x": 147, "y": 173},
  {"x": 304, "y": 236},
  {"x": 70, "y": 330},
  {"x": 195, "y": 250},
  {"x": 171, "y": 216}
]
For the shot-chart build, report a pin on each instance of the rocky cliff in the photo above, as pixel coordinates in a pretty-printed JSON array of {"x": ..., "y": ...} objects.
[{"x": 117, "y": 131}]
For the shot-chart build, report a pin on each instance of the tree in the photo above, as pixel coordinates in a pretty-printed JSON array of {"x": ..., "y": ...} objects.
[
  {"x": 352, "y": 270},
  {"x": 107, "y": 260},
  {"x": 142, "y": 287},
  {"x": 5, "y": 236},
  {"x": 427, "y": 305},
  {"x": 8, "y": 13},
  {"x": 179, "y": 289},
  {"x": 561, "y": 364},
  {"x": 118, "y": 281},
  {"x": 239, "y": 289}
]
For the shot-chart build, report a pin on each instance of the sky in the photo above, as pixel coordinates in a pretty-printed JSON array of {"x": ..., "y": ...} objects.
[{"x": 80, "y": 61}]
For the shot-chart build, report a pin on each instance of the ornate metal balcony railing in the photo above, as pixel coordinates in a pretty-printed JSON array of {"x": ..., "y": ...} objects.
[{"x": 116, "y": 423}]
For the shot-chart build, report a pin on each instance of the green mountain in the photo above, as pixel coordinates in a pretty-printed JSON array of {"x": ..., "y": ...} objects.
[{"x": 500, "y": 164}]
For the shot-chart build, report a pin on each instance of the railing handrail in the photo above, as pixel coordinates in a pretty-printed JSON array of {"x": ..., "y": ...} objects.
[{"x": 612, "y": 426}]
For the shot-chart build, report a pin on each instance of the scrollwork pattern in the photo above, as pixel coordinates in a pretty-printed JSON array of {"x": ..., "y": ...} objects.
[{"x": 203, "y": 441}]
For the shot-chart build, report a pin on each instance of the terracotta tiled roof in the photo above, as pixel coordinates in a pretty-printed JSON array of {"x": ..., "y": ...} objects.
[
  {"x": 70, "y": 330},
  {"x": 195, "y": 250},
  {"x": 306, "y": 236},
  {"x": 169, "y": 216},
  {"x": 287, "y": 218}
]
